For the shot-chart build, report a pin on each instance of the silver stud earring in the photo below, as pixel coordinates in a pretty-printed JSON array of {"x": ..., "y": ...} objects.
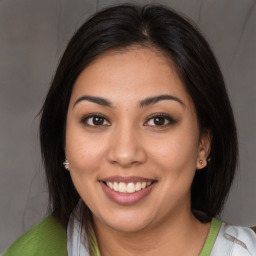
[
  {"x": 66, "y": 164},
  {"x": 201, "y": 162}
]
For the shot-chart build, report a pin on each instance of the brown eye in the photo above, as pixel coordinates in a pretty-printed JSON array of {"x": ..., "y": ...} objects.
[
  {"x": 160, "y": 120},
  {"x": 95, "y": 120}
]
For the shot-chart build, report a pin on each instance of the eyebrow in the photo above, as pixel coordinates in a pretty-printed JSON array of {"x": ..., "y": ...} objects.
[
  {"x": 153, "y": 100},
  {"x": 144, "y": 103},
  {"x": 97, "y": 100}
]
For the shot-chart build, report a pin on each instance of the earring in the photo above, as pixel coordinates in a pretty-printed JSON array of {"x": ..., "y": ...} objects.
[
  {"x": 201, "y": 162},
  {"x": 66, "y": 164}
]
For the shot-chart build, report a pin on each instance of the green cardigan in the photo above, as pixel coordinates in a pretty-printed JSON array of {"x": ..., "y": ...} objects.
[{"x": 48, "y": 238}]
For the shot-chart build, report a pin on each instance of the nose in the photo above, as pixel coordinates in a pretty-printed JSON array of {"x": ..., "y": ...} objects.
[{"x": 126, "y": 148}]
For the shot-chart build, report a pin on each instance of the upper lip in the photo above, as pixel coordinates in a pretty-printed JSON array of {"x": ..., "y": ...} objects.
[{"x": 126, "y": 179}]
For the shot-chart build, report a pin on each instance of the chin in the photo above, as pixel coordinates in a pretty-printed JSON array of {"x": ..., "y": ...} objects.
[
  {"x": 125, "y": 227},
  {"x": 127, "y": 223}
]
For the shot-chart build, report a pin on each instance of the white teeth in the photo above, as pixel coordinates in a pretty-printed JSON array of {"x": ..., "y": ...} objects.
[
  {"x": 122, "y": 187},
  {"x": 138, "y": 186},
  {"x": 116, "y": 187},
  {"x": 128, "y": 188},
  {"x": 110, "y": 184}
]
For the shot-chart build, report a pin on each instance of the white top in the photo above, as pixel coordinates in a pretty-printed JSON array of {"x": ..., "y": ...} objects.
[
  {"x": 230, "y": 241},
  {"x": 234, "y": 241}
]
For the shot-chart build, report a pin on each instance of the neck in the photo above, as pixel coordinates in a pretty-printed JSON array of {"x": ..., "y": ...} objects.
[{"x": 182, "y": 234}]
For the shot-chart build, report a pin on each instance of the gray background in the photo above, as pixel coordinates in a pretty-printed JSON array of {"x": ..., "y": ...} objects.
[{"x": 33, "y": 35}]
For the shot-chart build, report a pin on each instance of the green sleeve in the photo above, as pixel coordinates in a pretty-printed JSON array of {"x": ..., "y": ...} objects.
[{"x": 48, "y": 238}]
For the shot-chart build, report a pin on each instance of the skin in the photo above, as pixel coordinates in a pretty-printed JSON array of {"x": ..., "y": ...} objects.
[{"x": 130, "y": 142}]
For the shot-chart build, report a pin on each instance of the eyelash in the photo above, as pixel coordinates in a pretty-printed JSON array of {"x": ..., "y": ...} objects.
[
  {"x": 93, "y": 115},
  {"x": 162, "y": 115},
  {"x": 156, "y": 115}
]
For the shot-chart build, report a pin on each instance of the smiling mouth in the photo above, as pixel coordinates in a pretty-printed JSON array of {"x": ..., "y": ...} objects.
[{"x": 127, "y": 188}]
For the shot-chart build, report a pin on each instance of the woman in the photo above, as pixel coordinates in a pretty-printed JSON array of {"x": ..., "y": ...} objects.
[{"x": 139, "y": 143}]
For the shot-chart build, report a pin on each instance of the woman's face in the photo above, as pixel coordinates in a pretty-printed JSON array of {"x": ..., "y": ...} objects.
[{"x": 132, "y": 140}]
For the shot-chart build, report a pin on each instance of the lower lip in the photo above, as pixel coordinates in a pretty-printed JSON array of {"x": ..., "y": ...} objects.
[{"x": 126, "y": 198}]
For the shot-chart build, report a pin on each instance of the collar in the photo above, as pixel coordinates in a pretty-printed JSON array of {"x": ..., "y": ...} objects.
[
  {"x": 74, "y": 234},
  {"x": 234, "y": 241}
]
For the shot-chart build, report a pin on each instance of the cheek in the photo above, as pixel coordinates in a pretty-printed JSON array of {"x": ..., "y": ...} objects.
[
  {"x": 84, "y": 151},
  {"x": 176, "y": 158},
  {"x": 84, "y": 157},
  {"x": 176, "y": 151}
]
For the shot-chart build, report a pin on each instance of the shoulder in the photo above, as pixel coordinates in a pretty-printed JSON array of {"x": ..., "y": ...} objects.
[
  {"x": 235, "y": 241},
  {"x": 46, "y": 238}
]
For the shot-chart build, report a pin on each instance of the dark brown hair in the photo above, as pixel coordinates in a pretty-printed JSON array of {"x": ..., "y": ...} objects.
[{"x": 154, "y": 26}]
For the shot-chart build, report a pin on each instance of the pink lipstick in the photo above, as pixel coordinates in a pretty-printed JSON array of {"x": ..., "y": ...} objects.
[{"x": 127, "y": 190}]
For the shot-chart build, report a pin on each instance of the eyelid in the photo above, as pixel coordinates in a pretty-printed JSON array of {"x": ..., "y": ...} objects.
[
  {"x": 163, "y": 115},
  {"x": 91, "y": 115},
  {"x": 155, "y": 115}
]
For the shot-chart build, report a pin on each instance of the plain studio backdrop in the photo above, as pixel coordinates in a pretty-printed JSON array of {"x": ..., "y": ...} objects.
[{"x": 33, "y": 35}]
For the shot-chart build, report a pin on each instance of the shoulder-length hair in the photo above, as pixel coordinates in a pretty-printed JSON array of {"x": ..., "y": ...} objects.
[{"x": 161, "y": 28}]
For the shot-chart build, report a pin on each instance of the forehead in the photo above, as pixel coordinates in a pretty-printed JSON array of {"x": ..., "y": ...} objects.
[{"x": 130, "y": 74}]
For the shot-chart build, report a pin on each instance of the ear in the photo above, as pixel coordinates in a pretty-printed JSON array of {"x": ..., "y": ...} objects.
[{"x": 204, "y": 149}]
